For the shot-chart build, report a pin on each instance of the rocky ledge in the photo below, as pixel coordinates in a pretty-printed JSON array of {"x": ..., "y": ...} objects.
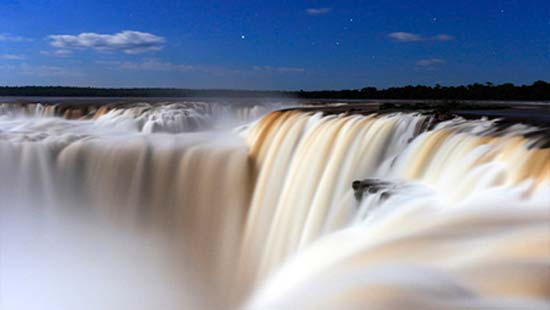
[{"x": 373, "y": 186}]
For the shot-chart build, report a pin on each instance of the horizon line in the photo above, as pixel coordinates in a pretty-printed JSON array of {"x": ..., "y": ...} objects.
[{"x": 487, "y": 83}]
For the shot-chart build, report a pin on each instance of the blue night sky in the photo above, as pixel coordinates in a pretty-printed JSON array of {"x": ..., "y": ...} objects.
[{"x": 272, "y": 44}]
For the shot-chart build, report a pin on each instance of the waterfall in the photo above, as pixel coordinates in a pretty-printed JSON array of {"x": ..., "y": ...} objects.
[
  {"x": 171, "y": 117},
  {"x": 297, "y": 209},
  {"x": 190, "y": 188},
  {"x": 459, "y": 220}
]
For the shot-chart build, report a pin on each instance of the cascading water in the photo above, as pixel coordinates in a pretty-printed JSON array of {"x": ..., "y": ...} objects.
[
  {"x": 139, "y": 207},
  {"x": 460, "y": 220}
]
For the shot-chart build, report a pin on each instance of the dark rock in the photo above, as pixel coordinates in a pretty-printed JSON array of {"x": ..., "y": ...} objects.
[{"x": 372, "y": 186}]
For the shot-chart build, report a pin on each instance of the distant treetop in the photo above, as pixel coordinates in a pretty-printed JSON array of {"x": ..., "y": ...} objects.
[{"x": 539, "y": 90}]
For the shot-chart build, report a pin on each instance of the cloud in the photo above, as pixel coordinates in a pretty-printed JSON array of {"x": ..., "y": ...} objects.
[
  {"x": 57, "y": 53},
  {"x": 405, "y": 36},
  {"x": 40, "y": 70},
  {"x": 318, "y": 11},
  {"x": 47, "y": 71},
  {"x": 11, "y": 57},
  {"x": 5, "y": 37},
  {"x": 158, "y": 65},
  {"x": 150, "y": 64},
  {"x": 129, "y": 42},
  {"x": 108, "y": 62},
  {"x": 413, "y": 37},
  {"x": 443, "y": 37},
  {"x": 430, "y": 62},
  {"x": 279, "y": 69}
]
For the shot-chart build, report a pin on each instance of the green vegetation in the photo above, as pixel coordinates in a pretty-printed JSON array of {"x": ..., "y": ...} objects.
[{"x": 539, "y": 90}]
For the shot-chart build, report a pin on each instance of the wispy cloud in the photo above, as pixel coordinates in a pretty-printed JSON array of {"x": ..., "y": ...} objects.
[
  {"x": 318, "y": 11},
  {"x": 430, "y": 62},
  {"x": 40, "y": 70},
  {"x": 6, "y": 37},
  {"x": 12, "y": 57},
  {"x": 279, "y": 69},
  {"x": 443, "y": 37},
  {"x": 405, "y": 36},
  {"x": 413, "y": 37},
  {"x": 157, "y": 65},
  {"x": 150, "y": 64},
  {"x": 129, "y": 42},
  {"x": 48, "y": 71},
  {"x": 57, "y": 53}
]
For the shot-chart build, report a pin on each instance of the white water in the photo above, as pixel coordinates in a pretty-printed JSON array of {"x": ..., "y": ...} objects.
[{"x": 125, "y": 208}]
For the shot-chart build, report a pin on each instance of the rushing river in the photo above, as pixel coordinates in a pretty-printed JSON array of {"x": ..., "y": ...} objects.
[{"x": 196, "y": 205}]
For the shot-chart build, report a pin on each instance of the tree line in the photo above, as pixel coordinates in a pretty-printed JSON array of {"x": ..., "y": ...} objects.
[{"x": 539, "y": 90}]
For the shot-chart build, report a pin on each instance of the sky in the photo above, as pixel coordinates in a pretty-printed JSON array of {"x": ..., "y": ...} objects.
[{"x": 273, "y": 44}]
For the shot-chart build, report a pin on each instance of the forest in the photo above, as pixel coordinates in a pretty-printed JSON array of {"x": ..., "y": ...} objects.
[{"x": 539, "y": 90}]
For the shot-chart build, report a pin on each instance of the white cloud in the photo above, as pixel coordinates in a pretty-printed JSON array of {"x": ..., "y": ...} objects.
[
  {"x": 279, "y": 69},
  {"x": 129, "y": 42},
  {"x": 150, "y": 64},
  {"x": 318, "y": 11},
  {"x": 5, "y": 37},
  {"x": 413, "y": 37},
  {"x": 405, "y": 36},
  {"x": 57, "y": 53},
  {"x": 156, "y": 65},
  {"x": 430, "y": 62},
  {"x": 11, "y": 57}
]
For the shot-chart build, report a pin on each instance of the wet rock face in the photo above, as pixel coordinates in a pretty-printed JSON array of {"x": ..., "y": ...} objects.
[
  {"x": 540, "y": 137},
  {"x": 372, "y": 186}
]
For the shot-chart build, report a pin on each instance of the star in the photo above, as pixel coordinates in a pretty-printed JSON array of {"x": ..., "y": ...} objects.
[
  {"x": 434, "y": 19},
  {"x": 351, "y": 20},
  {"x": 502, "y": 11},
  {"x": 243, "y": 37},
  {"x": 337, "y": 43}
]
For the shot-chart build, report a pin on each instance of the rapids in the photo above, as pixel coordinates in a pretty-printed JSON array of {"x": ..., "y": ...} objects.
[{"x": 201, "y": 205}]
